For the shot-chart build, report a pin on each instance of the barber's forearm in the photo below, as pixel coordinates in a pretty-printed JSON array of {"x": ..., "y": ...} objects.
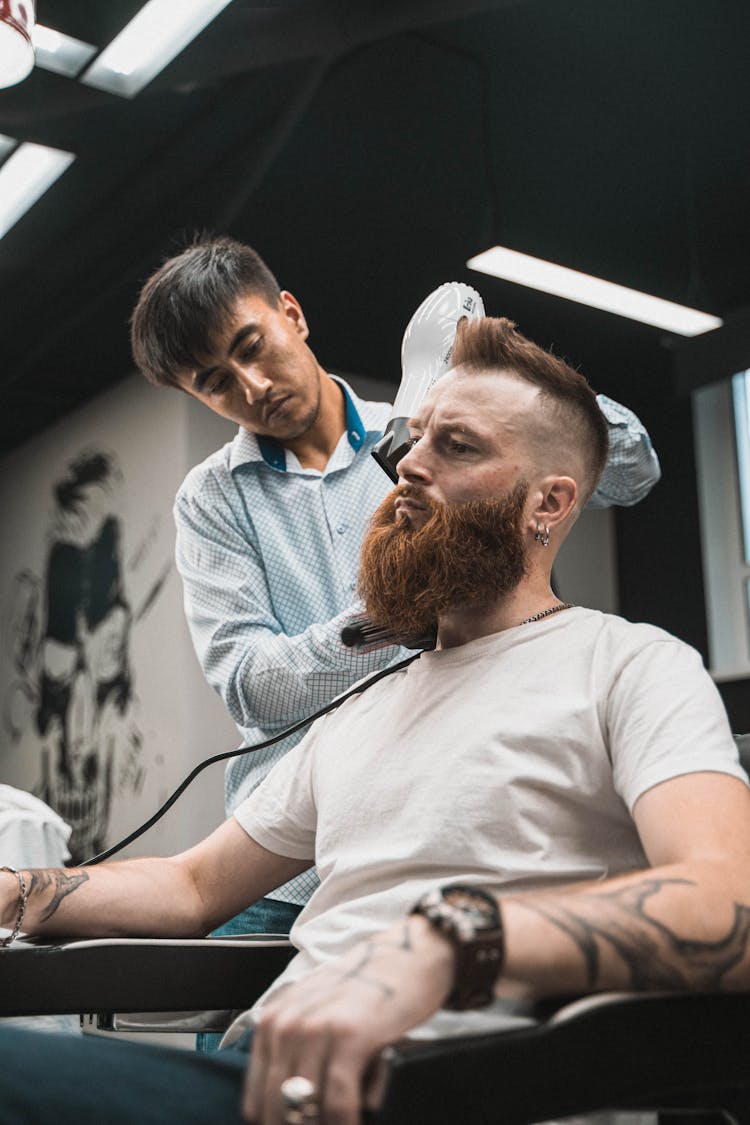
[
  {"x": 686, "y": 926},
  {"x": 154, "y": 897},
  {"x": 277, "y": 680}
]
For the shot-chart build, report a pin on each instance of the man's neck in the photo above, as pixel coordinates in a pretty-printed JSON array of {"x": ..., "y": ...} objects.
[
  {"x": 468, "y": 623},
  {"x": 315, "y": 447}
]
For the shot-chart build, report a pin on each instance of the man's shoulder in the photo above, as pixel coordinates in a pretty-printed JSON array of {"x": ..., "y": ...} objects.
[
  {"x": 616, "y": 641},
  {"x": 621, "y": 630},
  {"x": 212, "y": 473}
]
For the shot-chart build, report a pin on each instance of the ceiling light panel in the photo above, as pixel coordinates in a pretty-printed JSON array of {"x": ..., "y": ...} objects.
[
  {"x": 149, "y": 42},
  {"x": 60, "y": 53},
  {"x": 25, "y": 176},
  {"x": 594, "y": 291}
]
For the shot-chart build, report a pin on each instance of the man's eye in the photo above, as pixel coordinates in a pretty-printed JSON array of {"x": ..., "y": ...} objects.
[
  {"x": 250, "y": 350},
  {"x": 217, "y": 385},
  {"x": 412, "y": 441},
  {"x": 460, "y": 447}
]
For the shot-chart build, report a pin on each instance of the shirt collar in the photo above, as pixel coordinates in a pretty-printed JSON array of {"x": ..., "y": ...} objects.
[{"x": 251, "y": 447}]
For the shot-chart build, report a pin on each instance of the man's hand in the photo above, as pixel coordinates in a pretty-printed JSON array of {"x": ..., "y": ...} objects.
[{"x": 330, "y": 1026}]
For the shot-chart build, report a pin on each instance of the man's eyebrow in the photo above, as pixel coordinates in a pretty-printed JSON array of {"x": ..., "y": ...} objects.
[
  {"x": 241, "y": 335},
  {"x": 448, "y": 426}
]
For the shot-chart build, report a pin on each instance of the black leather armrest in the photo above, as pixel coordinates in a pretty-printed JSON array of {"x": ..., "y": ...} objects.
[
  {"x": 611, "y": 1051},
  {"x": 138, "y": 974}
]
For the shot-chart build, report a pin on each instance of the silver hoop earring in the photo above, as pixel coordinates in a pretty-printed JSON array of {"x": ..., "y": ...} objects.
[{"x": 542, "y": 534}]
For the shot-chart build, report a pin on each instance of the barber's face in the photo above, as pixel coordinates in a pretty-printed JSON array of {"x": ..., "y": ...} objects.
[
  {"x": 260, "y": 374},
  {"x": 468, "y": 443}
]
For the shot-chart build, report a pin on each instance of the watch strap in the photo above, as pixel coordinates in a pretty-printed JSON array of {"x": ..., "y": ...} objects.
[{"x": 478, "y": 945}]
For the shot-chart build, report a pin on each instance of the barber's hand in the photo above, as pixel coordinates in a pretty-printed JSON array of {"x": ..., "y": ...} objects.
[{"x": 331, "y": 1025}]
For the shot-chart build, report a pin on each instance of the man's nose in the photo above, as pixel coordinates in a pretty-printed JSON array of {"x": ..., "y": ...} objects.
[
  {"x": 254, "y": 383},
  {"x": 413, "y": 465}
]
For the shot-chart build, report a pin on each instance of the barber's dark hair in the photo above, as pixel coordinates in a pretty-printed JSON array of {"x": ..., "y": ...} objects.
[
  {"x": 185, "y": 304},
  {"x": 493, "y": 343}
]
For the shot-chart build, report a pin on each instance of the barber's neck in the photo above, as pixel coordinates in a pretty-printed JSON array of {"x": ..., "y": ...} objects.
[
  {"x": 315, "y": 447},
  {"x": 467, "y": 623}
]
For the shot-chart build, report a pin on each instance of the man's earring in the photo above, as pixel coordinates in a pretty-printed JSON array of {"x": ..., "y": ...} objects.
[{"x": 542, "y": 534}]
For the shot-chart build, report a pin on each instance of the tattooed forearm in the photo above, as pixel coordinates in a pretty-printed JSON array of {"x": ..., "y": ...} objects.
[
  {"x": 357, "y": 971},
  {"x": 653, "y": 954},
  {"x": 62, "y": 882},
  {"x": 368, "y": 951}
]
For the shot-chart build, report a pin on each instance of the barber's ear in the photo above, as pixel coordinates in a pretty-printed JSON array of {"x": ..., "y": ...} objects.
[
  {"x": 556, "y": 500},
  {"x": 292, "y": 309}
]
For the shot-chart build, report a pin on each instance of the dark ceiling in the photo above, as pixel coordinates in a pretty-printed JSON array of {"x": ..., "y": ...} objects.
[{"x": 367, "y": 150}]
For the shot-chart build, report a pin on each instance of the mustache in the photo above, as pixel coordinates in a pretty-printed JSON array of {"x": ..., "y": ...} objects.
[{"x": 411, "y": 492}]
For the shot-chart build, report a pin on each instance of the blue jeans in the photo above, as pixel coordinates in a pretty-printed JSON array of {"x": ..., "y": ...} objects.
[
  {"x": 267, "y": 916},
  {"x": 50, "y": 1079}
]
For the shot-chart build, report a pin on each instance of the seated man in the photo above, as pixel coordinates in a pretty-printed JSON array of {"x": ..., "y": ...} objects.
[{"x": 550, "y": 801}]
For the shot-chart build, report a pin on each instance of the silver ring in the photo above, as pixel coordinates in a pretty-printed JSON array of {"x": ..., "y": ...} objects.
[{"x": 300, "y": 1101}]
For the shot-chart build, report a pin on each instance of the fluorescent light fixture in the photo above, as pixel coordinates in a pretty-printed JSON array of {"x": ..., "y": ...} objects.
[
  {"x": 16, "y": 51},
  {"x": 152, "y": 39},
  {"x": 60, "y": 53},
  {"x": 25, "y": 176},
  {"x": 7, "y": 144},
  {"x": 588, "y": 290}
]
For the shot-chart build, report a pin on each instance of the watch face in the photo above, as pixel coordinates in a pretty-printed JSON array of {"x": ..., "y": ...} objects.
[{"x": 480, "y": 908}]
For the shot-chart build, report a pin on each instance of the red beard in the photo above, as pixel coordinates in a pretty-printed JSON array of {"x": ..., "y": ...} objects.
[{"x": 467, "y": 554}]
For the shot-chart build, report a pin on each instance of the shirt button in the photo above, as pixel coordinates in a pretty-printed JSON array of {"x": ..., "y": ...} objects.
[{"x": 341, "y": 528}]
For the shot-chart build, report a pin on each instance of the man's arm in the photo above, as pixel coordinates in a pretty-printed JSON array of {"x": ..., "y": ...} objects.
[
  {"x": 682, "y": 923},
  {"x": 632, "y": 467},
  {"x": 183, "y": 896},
  {"x": 265, "y": 677}
]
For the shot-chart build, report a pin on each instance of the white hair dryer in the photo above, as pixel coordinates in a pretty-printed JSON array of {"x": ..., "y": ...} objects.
[{"x": 425, "y": 358}]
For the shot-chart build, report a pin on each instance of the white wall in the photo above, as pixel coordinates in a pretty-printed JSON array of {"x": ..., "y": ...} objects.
[
  {"x": 173, "y": 718},
  {"x": 586, "y": 568},
  {"x": 725, "y": 571}
]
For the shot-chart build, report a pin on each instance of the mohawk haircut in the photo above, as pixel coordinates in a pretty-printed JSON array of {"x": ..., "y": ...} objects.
[{"x": 568, "y": 402}]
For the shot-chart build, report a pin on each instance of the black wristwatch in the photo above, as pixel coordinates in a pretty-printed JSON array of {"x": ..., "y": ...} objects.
[{"x": 471, "y": 921}]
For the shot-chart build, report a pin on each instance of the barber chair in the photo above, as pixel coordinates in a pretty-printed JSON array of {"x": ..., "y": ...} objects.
[{"x": 683, "y": 1055}]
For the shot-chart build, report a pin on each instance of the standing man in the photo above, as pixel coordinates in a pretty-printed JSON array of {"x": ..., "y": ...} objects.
[{"x": 269, "y": 527}]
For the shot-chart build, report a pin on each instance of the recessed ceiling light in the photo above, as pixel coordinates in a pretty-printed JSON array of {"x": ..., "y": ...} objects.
[
  {"x": 153, "y": 37},
  {"x": 594, "y": 291},
  {"x": 25, "y": 176},
  {"x": 60, "y": 53}
]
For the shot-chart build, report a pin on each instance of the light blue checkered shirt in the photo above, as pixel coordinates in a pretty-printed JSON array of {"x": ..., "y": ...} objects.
[{"x": 269, "y": 553}]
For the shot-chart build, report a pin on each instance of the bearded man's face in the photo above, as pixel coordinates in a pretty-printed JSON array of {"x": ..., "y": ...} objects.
[{"x": 467, "y": 554}]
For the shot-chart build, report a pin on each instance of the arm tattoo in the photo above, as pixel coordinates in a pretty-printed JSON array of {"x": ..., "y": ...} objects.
[
  {"x": 63, "y": 883},
  {"x": 356, "y": 972},
  {"x": 368, "y": 951},
  {"x": 653, "y": 954}
]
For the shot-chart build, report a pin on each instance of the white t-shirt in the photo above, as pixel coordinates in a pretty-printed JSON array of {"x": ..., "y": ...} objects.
[{"x": 510, "y": 762}]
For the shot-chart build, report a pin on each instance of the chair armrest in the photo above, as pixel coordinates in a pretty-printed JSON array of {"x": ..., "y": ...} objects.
[
  {"x": 609, "y": 1051},
  {"x": 138, "y": 974}
]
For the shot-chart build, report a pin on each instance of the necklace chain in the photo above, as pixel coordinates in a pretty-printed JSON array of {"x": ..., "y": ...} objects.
[{"x": 547, "y": 612}]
